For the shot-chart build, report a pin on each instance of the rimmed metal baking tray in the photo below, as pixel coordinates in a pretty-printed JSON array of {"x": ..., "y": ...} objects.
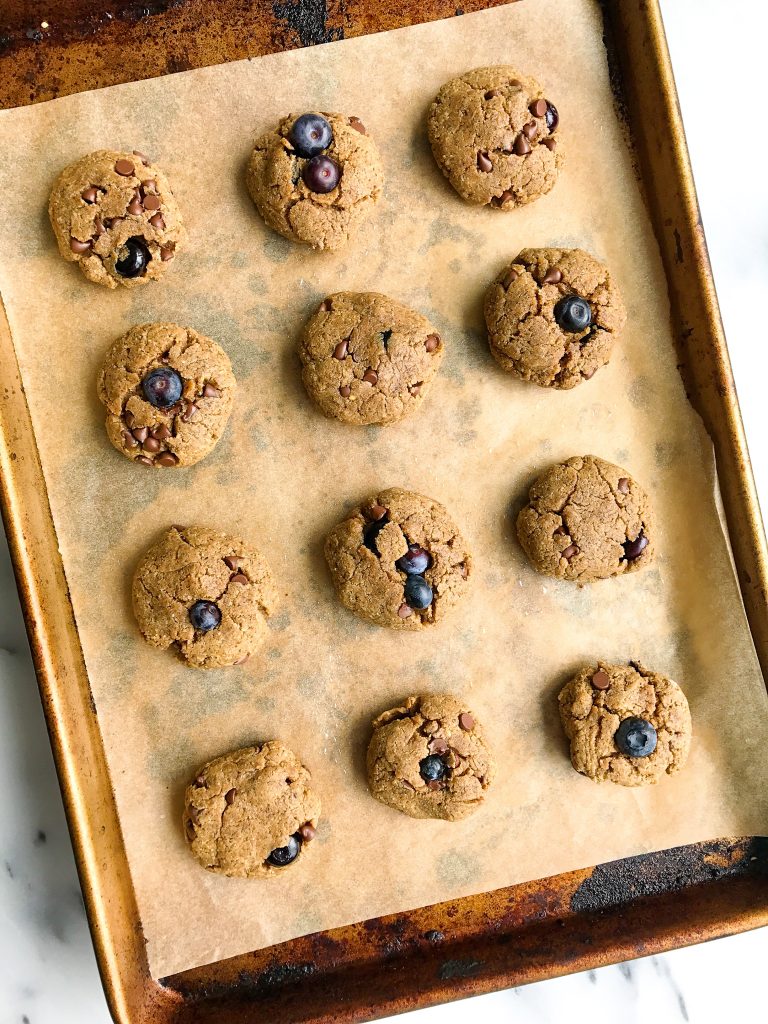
[{"x": 528, "y": 932}]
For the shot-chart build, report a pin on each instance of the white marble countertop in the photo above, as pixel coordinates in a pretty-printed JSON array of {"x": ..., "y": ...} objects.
[{"x": 47, "y": 970}]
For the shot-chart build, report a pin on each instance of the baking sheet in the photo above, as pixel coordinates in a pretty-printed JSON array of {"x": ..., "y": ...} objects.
[{"x": 282, "y": 475}]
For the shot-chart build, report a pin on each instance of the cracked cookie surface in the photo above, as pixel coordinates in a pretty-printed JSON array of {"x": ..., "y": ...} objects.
[
  {"x": 586, "y": 520},
  {"x": 187, "y": 431},
  {"x": 108, "y": 202},
  {"x": 599, "y": 698},
  {"x": 190, "y": 565},
  {"x": 247, "y": 805},
  {"x": 363, "y": 552},
  {"x": 431, "y": 735},
  {"x": 367, "y": 358},
  {"x": 495, "y": 136},
  {"x": 322, "y": 220},
  {"x": 522, "y": 314}
]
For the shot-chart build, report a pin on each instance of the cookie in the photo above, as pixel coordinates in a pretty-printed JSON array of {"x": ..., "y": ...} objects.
[
  {"x": 494, "y": 135},
  {"x": 316, "y": 178},
  {"x": 586, "y": 520},
  {"x": 114, "y": 214},
  {"x": 368, "y": 359},
  {"x": 251, "y": 813},
  {"x": 552, "y": 316},
  {"x": 625, "y": 724},
  {"x": 399, "y": 560},
  {"x": 429, "y": 758},
  {"x": 168, "y": 392},
  {"x": 206, "y": 593}
]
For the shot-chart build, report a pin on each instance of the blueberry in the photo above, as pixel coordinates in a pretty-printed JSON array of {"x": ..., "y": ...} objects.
[
  {"x": 418, "y": 593},
  {"x": 310, "y": 135},
  {"x": 552, "y": 117},
  {"x": 134, "y": 259},
  {"x": 372, "y": 531},
  {"x": 285, "y": 855},
  {"x": 204, "y": 616},
  {"x": 321, "y": 174},
  {"x": 416, "y": 561},
  {"x": 635, "y": 737},
  {"x": 162, "y": 387},
  {"x": 433, "y": 768},
  {"x": 573, "y": 314},
  {"x": 634, "y": 548}
]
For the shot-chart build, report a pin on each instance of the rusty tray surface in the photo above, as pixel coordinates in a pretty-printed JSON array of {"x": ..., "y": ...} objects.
[{"x": 528, "y": 932}]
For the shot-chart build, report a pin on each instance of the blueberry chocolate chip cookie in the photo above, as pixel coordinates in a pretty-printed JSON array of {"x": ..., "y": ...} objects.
[
  {"x": 625, "y": 724},
  {"x": 114, "y": 214},
  {"x": 206, "y": 594},
  {"x": 494, "y": 134},
  {"x": 398, "y": 560},
  {"x": 368, "y": 359},
  {"x": 586, "y": 520},
  {"x": 429, "y": 758},
  {"x": 316, "y": 178},
  {"x": 552, "y": 316},
  {"x": 168, "y": 392},
  {"x": 251, "y": 813}
]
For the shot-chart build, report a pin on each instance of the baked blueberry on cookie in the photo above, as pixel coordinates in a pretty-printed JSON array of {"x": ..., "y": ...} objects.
[
  {"x": 114, "y": 214},
  {"x": 552, "y": 316},
  {"x": 205, "y": 593},
  {"x": 625, "y": 724},
  {"x": 168, "y": 392},
  {"x": 316, "y": 178},
  {"x": 367, "y": 358},
  {"x": 494, "y": 134},
  {"x": 399, "y": 560},
  {"x": 251, "y": 813},
  {"x": 586, "y": 520},
  {"x": 429, "y": 758}
]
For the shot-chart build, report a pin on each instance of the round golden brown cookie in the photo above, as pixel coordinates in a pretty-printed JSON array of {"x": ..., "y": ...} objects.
[
  {"x": 429, "y": 758},
  {"x": 494, "y": 135},
  {"x": 399, "y": 560},
  {"x": 157, "y": 364},
  {"x": 586, "y": 520},
  {"x": 206, "y": 593},
  {"x": 368, "y": 359},
  {"x": 625, "y": 724},
  {"x": 251, "y": 813},
  {"x": 552, "y": 316},
  {"x": 113, "y": 213},
  {"x": 286, "y": 186}
]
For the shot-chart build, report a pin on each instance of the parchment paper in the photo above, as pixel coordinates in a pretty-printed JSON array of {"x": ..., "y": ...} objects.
[{"x": 282, "y": 475}]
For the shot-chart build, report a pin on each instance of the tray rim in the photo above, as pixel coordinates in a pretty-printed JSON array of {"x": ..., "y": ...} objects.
[{"x": 53, "y": 637}]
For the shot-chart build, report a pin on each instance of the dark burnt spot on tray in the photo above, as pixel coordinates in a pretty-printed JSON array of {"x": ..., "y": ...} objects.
[
  {"x": 308, "y": 19},
  {"x": 460, "y": 969}
]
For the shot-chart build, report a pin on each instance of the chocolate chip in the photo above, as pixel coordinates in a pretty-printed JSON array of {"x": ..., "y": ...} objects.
[
  {"x": 484, "y": 162},
  {"x": 144, "y": 460},
  {"x": 325, "y": 306},
  {"x": 551, "y": 144},
  {"x": 434, "y": 785},
  {"x": 589, "y": 374},
  {"x": 514, "y": 84},
  {"x": 466, "y": 721},
  {"x": 553, "y": 118},
  {"x": 308, "y": 831},
  {"x": 538, "y": 108},
  {"x": 438, "y": 745},
  {"x": 90, "y": 195},
  {"x": 357, "y": 124},
  {"x": 161, "y": 432},
  {"x": 124, "y": 167},
  {"x": 166, "y": 252},
  {"x": 371, "y": 377},
  {"x": 522, "y": 146},
  {"x": 553, "y": 276},
  {"x": 151, "y": 445},
  {"x": 491, "y": 93},
  {"x": 601, "y": 680},
  {"x": 151, "y": 202},
  {"x": 570, "y": 551},
  {"x": 623, "y": 485},
  {"x": 134, "y": 207},
  {"x": 209, "y": 391},
  {"x": 505, "y": 196},
  {"x": 79, "y": 247},
  {"x": 113, "y": 222},
  {"x": 98, "y": 226},
  {"x": 233, "y": 562},
  {"x": 340, "y": 352},
  {"x": 404, "y": 611},
  {"x": 129, "y": 419},
  {"x": 189, "y": 412},
  {"x": 148, "y": 186},
  {"x": 167, "y": 459},
  {"x": 376, "y": 512},
  {"x": 239, "y": 577},
  {"x": 142, "y": 156},
  {"x": 509, "y": 278},
  {"x": 416, "y": 388},
  {"x": 157, "y": 222},
  {"x": 634, "y": 548},
  {"x": 345, "y": 391},
  {"x": 129, "y": 441},
  {"x": 141, "y": 434},
  {"x": 432, "y": 342},
  {"x": 530, "y": 130},
  {"x": 229, "y": 796},
  {"x": 560, "y": 532}
]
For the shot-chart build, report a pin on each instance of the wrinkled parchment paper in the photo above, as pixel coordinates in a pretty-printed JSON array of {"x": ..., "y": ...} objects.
[{"x": 282, "y": 475}]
